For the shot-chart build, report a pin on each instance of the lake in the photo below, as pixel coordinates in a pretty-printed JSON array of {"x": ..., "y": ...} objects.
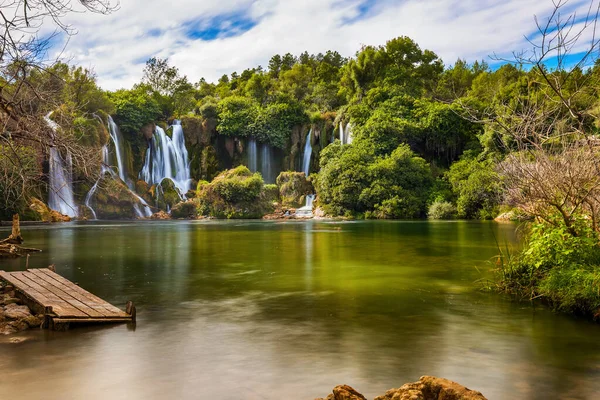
[{"x": 288, "y": 310}]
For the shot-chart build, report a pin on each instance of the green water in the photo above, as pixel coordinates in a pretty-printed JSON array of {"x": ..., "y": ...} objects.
[{"x": 287, "y": 310}]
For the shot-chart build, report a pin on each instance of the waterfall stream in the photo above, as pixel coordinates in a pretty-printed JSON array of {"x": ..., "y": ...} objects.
[
  {"x": 307, "y": 154},
  {"x": 252, "y": 155},
  {"x": 266, "y": 163},
  {"x": 306, "y": 211},
  {"x": 60, "y": 196},
  {"x": 167, "y": 158},
  {"x": 141, "y": 209}
]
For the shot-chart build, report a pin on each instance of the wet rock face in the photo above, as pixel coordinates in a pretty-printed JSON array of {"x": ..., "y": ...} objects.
[{"x": 427, "y": 388}]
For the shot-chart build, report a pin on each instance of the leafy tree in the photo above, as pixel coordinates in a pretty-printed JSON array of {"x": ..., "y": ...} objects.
[{"x": 236, "y": 116}]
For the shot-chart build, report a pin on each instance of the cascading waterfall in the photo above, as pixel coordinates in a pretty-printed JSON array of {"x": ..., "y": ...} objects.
[
  {"x": 142, "y": 211},
  {"x": 306, "y": 211},
  {"x": 307, "y": 154},
  {"x": 341, "y": 133},
  {"x": 168, "y": 159},
  {"x": 60, "y": 196},
  {"x": 252, "y": 155},
  {"x": 266, "y": 163},
  {"x": 117, "y": 140}
]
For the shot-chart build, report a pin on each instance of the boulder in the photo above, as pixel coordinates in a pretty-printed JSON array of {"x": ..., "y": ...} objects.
[
  {"x": 427, "y": 388},
  {"x": 161, "y": 215},
  {"x": 185, "y": 210},
  {"x": 15, "y": 311},
  {"x": 432, "y": 388},
  {"x": 32, "y": 321},
  {"x": 293, "y": 188},
  {"x": 344, "y": 392},
  {"x": 113, "y": 199},
  {"x": 45, "y": 213}
]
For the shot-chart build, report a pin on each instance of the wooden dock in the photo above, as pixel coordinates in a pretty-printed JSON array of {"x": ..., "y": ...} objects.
[{"x": 61, "y": 301}]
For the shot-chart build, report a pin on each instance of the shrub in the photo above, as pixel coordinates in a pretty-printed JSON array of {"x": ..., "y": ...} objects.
[
  {"x": 442, "y": 210},
  {"x": 561, "y": 268},
  {"x": 235, "y": 193}
]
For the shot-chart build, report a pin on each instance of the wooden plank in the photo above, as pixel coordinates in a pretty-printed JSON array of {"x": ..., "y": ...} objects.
[
  {"x": 98, "y": 309},
  {"x": 63, "y": 295},
  {"x": 83, "y": 292},
  {"x": 60, "y": 306},
  {"x": 23, "y": 288},
  {"x": 30, "y": 292},
  {"x": 91, "y": 320}
]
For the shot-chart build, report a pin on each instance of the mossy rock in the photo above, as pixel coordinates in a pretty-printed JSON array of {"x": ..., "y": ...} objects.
[
  {"x": 166, "y": 195},
  {"x": 113, "y": 199},
  {"x": 293, "y": 188},
  {"x": 185, "y": 210}
]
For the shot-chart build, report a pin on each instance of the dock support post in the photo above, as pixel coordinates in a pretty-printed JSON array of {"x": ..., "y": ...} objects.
[{"x": 130, "y": 309}]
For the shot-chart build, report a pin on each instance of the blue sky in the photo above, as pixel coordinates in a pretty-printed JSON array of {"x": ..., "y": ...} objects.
[{"x": 209, "y": 38}]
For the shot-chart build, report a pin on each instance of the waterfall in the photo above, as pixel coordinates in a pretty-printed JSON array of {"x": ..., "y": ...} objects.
[
  {"x": 117, "y": 140},
  {"x": 341, "y": 133},
  {"x": 349, "y": 137},
  {"x": 307, "y": 154},
  {"x": 60, "y": 196},
  {"x": 306, "y": 211},
  {"x": 266, "y": 163},
  {"x": 252, "y": 155},
  {"x": 167, "y": 158}
]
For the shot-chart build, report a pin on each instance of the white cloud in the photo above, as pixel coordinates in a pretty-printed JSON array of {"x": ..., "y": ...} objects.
[{"x": 117, "y": 45}]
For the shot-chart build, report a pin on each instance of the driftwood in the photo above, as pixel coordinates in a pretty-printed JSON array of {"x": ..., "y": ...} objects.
[{"x": 11, "y": 246}]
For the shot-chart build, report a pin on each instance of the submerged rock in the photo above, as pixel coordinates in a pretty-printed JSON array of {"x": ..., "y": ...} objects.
[{"x": 427, "y": 388}]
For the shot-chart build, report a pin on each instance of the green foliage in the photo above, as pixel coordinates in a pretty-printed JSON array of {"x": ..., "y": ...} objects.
[
  {"x": 274, "y": 123},
  {"x": 135, "y": 108},
  {"x": 477, "y": 187},
  {"x": 442, "y": 210},
  {"x": 236, "y": 116},
  {"x": 557, "y": 266},
  {"x": 354, "y": 180},
  {"x": 233, "y": 194}
]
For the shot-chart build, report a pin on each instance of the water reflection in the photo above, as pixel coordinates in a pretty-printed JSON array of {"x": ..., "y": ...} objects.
[{"x": 259, "y": 310}]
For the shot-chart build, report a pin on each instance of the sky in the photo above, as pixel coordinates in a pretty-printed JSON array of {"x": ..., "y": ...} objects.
[{"x": 209, "y": 38}]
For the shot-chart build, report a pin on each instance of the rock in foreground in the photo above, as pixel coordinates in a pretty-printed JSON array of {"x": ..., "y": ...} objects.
[{"x": 427, "y": 388}]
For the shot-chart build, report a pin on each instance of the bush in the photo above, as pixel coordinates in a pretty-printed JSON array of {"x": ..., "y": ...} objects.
[
  {"x": 442, "y": 210},
  {"x": 271, "y": 193},
  {"x": 477, "y": 187},
  {"x": 561, "y": 268},
  {"x": 354, "y": 181},
  {"x": 235, "y": 193}
]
